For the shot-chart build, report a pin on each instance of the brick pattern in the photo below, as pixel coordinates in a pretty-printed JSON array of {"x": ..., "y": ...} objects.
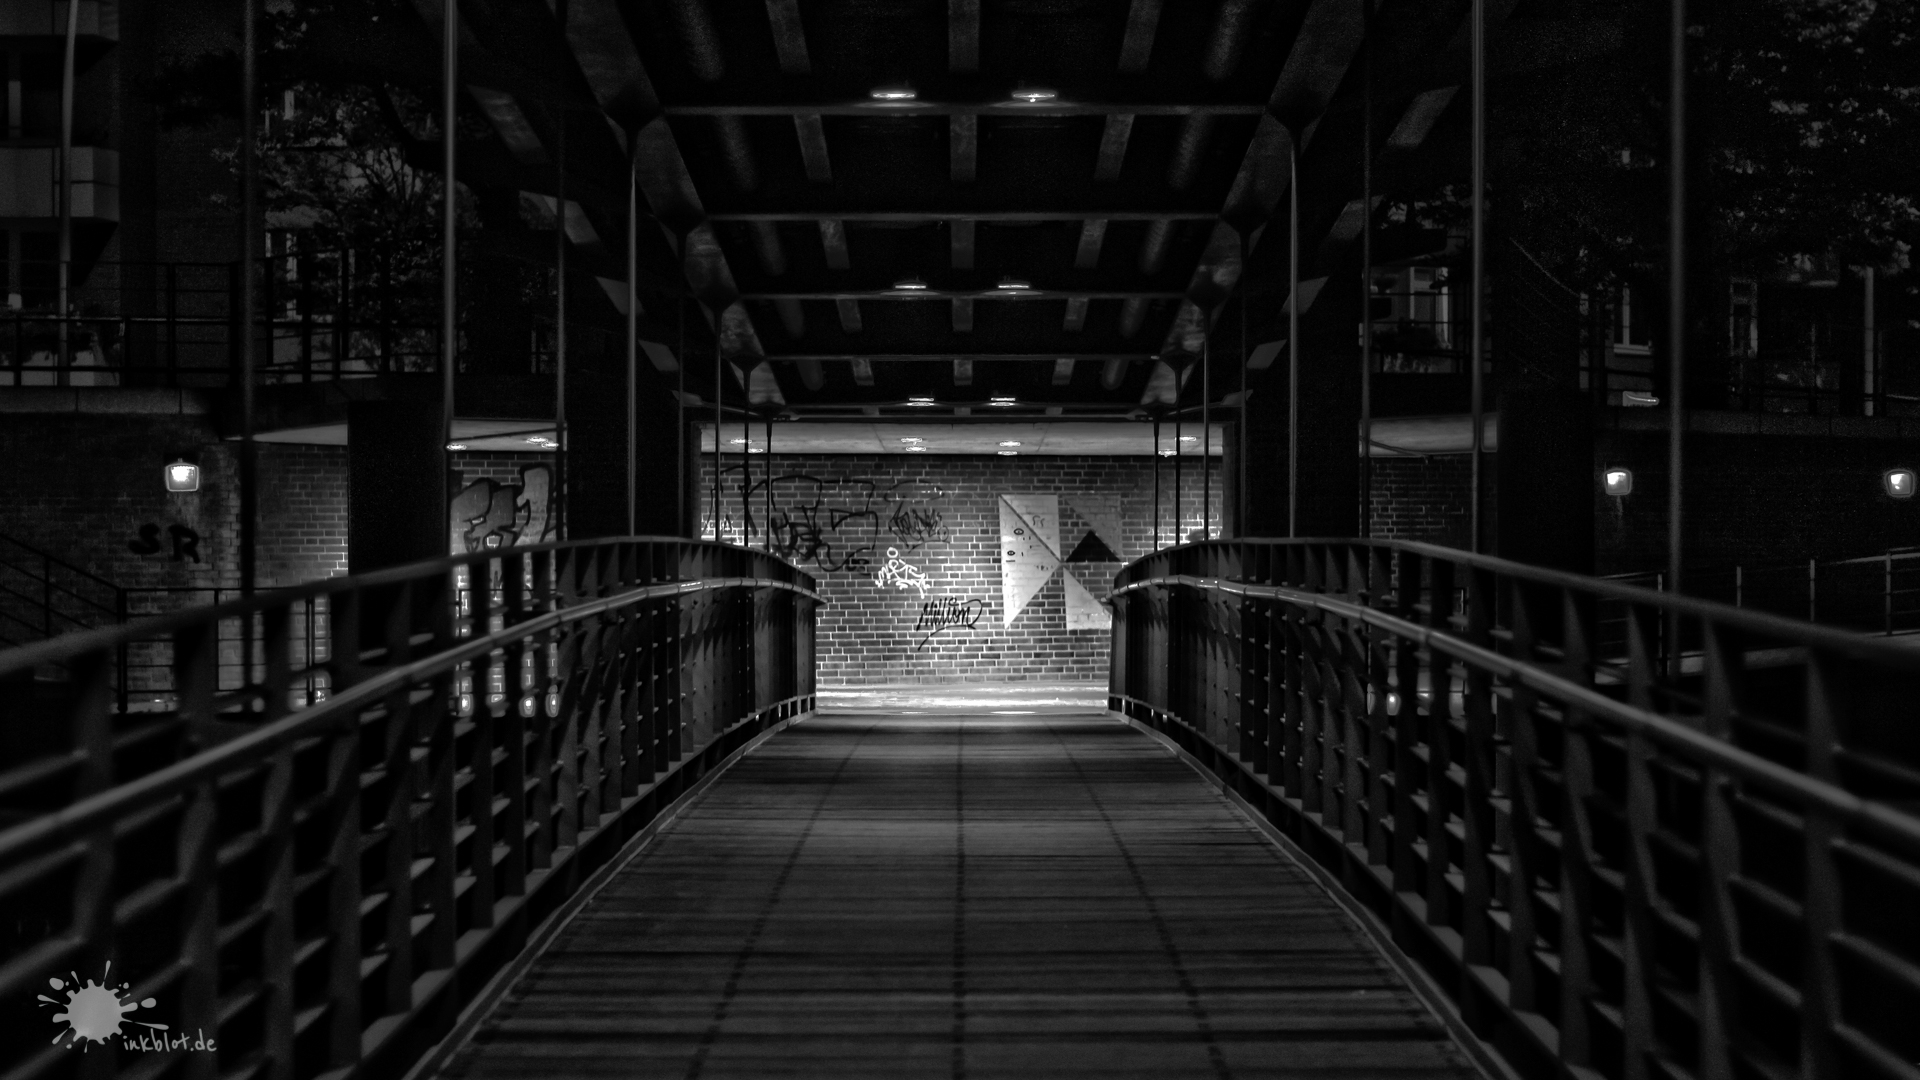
[
  {"x": 832, "y": 515},
  {"x": 1424, "y": 499},
  {"x": 303, "y": 513}
]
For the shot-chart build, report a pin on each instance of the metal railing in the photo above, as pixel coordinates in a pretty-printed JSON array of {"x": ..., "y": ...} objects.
[
  {"x": 1629, "y": 834},
  {"x": 316, "y": 889},
  {"x": 1868, "y": 594}
]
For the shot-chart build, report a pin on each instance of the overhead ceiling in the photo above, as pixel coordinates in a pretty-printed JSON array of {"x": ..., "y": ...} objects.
[
  {"x": 1045, "y": 438},
  {"x": 1083, "y": 187}
]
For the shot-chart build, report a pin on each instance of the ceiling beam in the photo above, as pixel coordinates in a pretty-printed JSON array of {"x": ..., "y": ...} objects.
[
  {"x": 813, "y": 147},
  {"x": 963, "y": 147},
  {"x": 1076, "y": 314},
  {"x": 943, "y": 357},
  {"x": 963, "y": 36},
  {"x": 849, "y": 311},
  {"x": 962, "y": 314},
  {"x": 962, "y": 372},
  {"x": 1151, "y": 106},
  {"x": 968, "y": 296},
  {"x": 1113, "y": 147},
  {"x": 833, "y": 239},
  {"x": 789, "y": 37},
  {"x": 961, "y": 240},
  {"x": 958, "y": 214},
  {"x": 1136, "y": 48},
  {"x": 1093, "y": 234},
  {"x": 1062, "y": 371}
]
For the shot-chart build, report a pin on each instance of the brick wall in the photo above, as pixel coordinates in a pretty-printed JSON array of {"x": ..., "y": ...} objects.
[
  {"x": 1423, "y": 499},
  {"x": 834, "y": 515},
  {"x": 303, "y": 513}
]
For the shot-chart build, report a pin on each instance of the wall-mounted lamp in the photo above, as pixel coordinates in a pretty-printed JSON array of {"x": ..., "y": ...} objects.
[
  {"x": 182, "y": 475},
  {"x": 1618, "y": 481},
  {"x": 1899, "y": 483}
]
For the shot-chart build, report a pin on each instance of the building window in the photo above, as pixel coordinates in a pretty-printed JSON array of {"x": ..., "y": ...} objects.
[
  {"x": 1743, "y": 318},
  {"x": 1631, "y": 326}
]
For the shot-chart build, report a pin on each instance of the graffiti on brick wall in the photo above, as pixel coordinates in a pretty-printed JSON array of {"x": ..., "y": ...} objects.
[
  {"x": 899, "y": 574},
  {"x": 944, "y": 613},
  {"x": 186, "y": 542},
  {"x": 488, "y": 514},
  {"x": 829, "y": 523}
]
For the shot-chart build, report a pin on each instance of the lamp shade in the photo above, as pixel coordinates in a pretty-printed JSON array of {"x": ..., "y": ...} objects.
[
  {"x": 1618, "y": 481},
  {"x": 182, "y": 476}
]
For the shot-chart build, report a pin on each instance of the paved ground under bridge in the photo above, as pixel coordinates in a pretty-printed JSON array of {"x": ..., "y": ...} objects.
[{"x": 994, "y": 882}]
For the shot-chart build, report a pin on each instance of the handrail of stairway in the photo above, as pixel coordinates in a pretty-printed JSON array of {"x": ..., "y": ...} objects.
[
  {"x": 232, "y": 829},
  {"x": 1626, "y": 833}
]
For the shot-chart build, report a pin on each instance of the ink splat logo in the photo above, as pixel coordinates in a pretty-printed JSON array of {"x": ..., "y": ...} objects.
[{"x": 96, "y": 1011}]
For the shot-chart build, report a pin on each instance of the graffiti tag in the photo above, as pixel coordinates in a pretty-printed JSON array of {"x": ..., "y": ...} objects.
[
  {"x": 947, "y": 613},
  {"x": 900, "y": 574},
  {"x": 835, "y": 524},
  {"x": 186, "y": 542},
  {"x": 488, "y": 514}
]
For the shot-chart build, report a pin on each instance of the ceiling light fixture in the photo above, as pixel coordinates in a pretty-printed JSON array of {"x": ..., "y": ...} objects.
[
  {"x": 456, "y": 446},
  {"x": 738, "y": 442},
  {"x": 1013, "y": 284},
  {"x": 1189, "y": 438},
  {"x": 916, "y": 449},
  {"x": 911, "y": 439},
  {"x": 1166, "y": 453},
  {"x": 1034, "y": 95},
  {"x": 919, "y": 402},
  {"x": 1011, "y": 442},
  {"x": 912, "y": 284},
  {"x": 1003, "y": 400},
  {"x": 1009, "y": 453},
  {"x": 893, "y": 93}
]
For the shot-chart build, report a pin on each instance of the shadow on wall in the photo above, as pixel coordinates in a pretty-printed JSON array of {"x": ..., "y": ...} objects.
[{"x": 487, "y": 514}]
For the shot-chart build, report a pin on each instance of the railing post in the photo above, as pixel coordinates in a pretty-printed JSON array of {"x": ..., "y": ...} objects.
[
  {"x": 1820, "y": 1001},
  {"x": 1886, "y": 595},
  {"x": 1812, "y": 593}
]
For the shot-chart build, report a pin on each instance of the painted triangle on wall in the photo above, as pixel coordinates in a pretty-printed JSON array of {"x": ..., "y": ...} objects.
[
  {"x": 1027, "y": 561},
  {"x": 1090, "y": 549},
  {"x": 1084, "y": 611},
  {"x": 1042, "y": 514},
  {"x": 1103, "y": 513}
]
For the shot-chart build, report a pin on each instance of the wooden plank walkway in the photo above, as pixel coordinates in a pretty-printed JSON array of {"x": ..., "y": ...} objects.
[{"x": 960, "y": 895}]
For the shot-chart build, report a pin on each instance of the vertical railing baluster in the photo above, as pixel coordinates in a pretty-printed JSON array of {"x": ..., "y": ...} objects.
[
  {"x": 1437, "y": 711},
  {"x": 1578, "y": 623},
  {"x": 1476, "y": 924},
  {"x": 198, "y": 991},
  {"x": 1820, "y": 1004},
  {"x": 1645, "y": 663},
  {"x": 1723, "y": 661},
  {"x": 1520, "y": 719},
  {"x": 1405, "y": 726}
]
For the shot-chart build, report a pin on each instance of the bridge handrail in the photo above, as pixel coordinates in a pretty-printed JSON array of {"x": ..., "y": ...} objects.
[
  {"x": 479, "y": 733},
  {"x": 1628, "y": 833}
]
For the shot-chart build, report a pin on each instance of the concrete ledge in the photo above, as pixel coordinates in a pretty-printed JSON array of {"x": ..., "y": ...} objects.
[{"x": 105, "y": 400}]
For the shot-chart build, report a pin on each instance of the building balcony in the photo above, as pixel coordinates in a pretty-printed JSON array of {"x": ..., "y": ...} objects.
[
  {"x": 99, "y": 19},
  {"x": 27, "y": 183}
]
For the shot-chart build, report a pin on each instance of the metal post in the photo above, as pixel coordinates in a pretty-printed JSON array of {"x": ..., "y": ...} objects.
[
  {"x": 1240, "y": 478},
  {"x": 1366, "y": 271},
  {"x": 1476, "y": 349},
  {"x": 1677, "y": 307},
  {"x": 1179, "y": 457},
  {"x": 1870, "y": 348},
  {"x": 249, "y": 298},
  {"x": 633, "y": 338},
  {"x": 1206, "y": 436},
  {"x": 719, "y": 386},
  {"x": 680, "y": 429},
  {"x": 1739, "y": 587},
  {"x": 1156, "y": 483},
  {"x": 1813, "y": 589},
  {"x": 64, "y": 167},
  {"x": 1886, "y": 593},
  {"x": 1293, "y": 337},
  {"x": 449, "y": 216},
  {"x": 746, "y": 474},
  {"x": 767, "y": 526},
  {"x": 560, "y": 316}
]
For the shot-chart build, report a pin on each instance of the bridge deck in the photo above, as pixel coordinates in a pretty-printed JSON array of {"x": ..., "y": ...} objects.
[{"x": 965, "y": 894}]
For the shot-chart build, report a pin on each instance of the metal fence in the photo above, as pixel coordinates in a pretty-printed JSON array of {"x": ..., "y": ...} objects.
[
  {"x": 1629, "y": 834},
  {"x": 314, "y": 884},
  {"x": 1870, "y": 594}
]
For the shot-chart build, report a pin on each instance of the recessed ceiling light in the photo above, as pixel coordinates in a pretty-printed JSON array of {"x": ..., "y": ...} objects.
[
  {"x": 541, "y": 440},
  {"x": 1011, "y": 442},
  {"x": 912, "y": 284},
  {"x": 1166, "y": 453},
  {"x": 456, "y": 446},
  {"x": 911, "y": 439},
  {"x": 919, "y": 402},
  {"x": 1003, "y": 400},
  {"x": 756, "y": 449},
  {"x": 1033, "y": 95},
  {"x": 916, "y": 449},
  {"x": 737, "y": 442},
  {"x": 1013, "y": 284},
  {"x": 892, "y": 93},
  {"x": 1189, "y": 438},
  {"x": 1009, "y": 453}
]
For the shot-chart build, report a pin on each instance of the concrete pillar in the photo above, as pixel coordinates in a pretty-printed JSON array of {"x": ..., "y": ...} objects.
[
  {"x": 1545, "y": 475},
  {"x": 397, "y": 484}
]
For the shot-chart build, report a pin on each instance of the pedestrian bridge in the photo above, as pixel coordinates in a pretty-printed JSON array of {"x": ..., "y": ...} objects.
[{"x": 1345, "y": 808}]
